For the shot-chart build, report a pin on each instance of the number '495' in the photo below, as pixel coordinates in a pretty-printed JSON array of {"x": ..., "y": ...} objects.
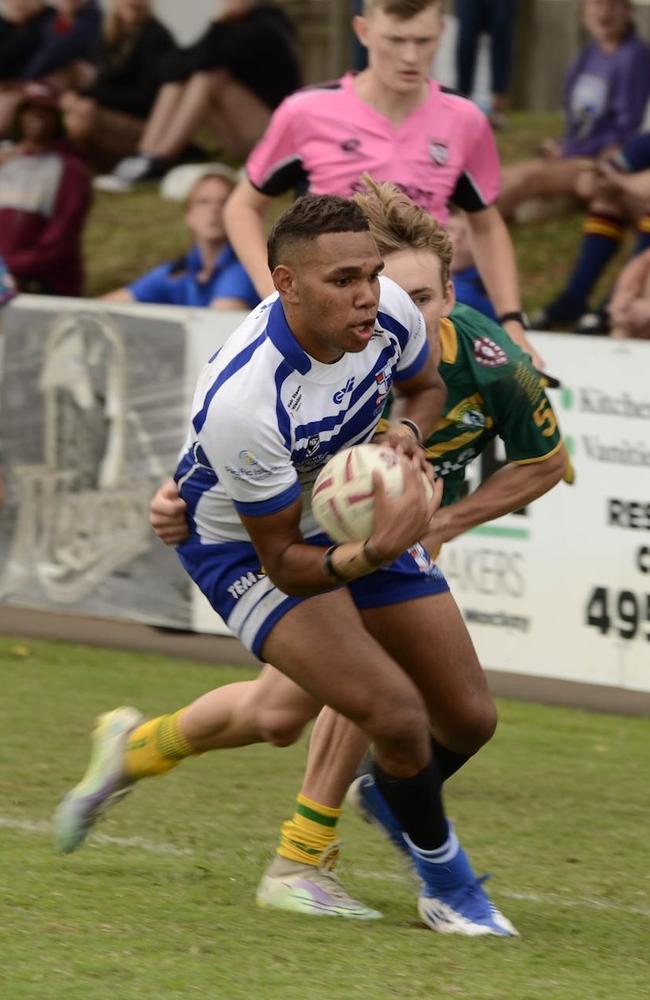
[{"x": 622, "y": 611}]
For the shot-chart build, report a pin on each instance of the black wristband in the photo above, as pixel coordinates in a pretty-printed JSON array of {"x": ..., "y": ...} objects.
[
  {"x": 518, "y": 316},
  {"x": 329, "y": 565},
  {"x": 412, "y": 426}
]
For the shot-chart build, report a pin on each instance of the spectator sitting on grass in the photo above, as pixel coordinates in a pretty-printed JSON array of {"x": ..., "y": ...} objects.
[
  {"x": 209, "y": 274},
  {"x": 231, "y": 79},
  {"x": 468, "y": 286},
  {"x": 106, "y": 120},
  {"x": 44, "y": 198},
  {"x": 619, "y": 193},
  {"x": 605, "y": 96}
]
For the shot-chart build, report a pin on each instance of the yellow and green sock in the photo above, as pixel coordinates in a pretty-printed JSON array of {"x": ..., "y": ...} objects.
[
  {"x": 309, "y": 833},
  {"x": 156, "y": 746}
]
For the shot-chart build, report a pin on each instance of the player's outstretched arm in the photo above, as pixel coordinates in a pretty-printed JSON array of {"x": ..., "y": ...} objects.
[
  {"x": 509, "y": 489},
  {"x": 244, "y": 217}
]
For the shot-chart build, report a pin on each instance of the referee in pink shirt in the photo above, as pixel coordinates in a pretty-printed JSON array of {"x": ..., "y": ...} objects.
[{"x": 397, "y": 124}]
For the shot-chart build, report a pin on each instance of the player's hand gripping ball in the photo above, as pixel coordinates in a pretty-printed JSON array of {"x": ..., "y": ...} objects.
[{"x": 342, "y": 499}]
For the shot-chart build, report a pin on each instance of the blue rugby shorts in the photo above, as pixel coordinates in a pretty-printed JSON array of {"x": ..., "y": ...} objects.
[{"x": 230, "y": 576}]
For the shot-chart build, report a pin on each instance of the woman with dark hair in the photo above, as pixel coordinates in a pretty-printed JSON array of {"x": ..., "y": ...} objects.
[
  {"x": 105, "y": 121},
  {"x": 231, "y": 79}
]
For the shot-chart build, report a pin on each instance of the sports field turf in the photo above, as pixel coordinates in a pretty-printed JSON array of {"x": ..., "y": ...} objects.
[{"x": 161, "y": 903}]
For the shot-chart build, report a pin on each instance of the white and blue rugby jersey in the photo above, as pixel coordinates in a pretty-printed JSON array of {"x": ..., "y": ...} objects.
[{"x": 266, "y": 416}]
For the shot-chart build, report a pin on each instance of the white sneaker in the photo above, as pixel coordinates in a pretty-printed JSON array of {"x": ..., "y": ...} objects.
[
  {"x": 103, "y": 784},
  {"x": 112, "y": 183},
  {"x": 314, "y": 891},
  {"x": 466, "y": 910}
]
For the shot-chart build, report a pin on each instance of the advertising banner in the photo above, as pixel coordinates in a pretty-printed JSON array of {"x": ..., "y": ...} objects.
[
  {"x": 94, "y": 404},
  {"x": 562, "y": 589},
  {"x": 94, "y": 401}
]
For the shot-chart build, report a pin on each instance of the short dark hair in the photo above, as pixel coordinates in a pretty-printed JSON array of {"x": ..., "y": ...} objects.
[{"x": 309, "y": 217}]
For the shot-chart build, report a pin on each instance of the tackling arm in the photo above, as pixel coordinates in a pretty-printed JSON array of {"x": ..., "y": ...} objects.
[{"x": 512, "y": 487}]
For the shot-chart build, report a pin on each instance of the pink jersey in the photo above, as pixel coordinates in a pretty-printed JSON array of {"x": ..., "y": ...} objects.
[{"x": 322, "y": 139}]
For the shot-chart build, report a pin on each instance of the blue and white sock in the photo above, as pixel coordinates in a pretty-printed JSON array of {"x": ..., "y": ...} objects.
[{"x": 446, "y": 867}]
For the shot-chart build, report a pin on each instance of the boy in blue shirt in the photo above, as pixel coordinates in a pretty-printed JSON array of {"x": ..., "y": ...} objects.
[{"x": 209, "y": 274}]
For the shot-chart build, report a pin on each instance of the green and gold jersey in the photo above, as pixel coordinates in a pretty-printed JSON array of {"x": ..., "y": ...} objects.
[{"x": 492, "y": 390}]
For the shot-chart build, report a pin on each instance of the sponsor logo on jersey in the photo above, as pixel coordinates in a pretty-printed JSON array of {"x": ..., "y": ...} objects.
[
  {"x": 439, "y": 152},
  {"x": 251, "y": 469},
  {"x": 351, "y": 145},
  {"x": 444, "y": 467},
  {"x": 488, "y": 353},
  {"x": 339, "y": 396},
  {"x": 472, "y": 418},
  {"x": 295, "y": 400}
]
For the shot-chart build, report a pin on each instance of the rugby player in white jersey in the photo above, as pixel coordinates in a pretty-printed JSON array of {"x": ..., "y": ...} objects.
[{"x": 354, "y": 625}]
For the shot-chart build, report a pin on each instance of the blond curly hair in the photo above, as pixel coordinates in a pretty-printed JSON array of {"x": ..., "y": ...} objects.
[{"x": 397, "y": 223}]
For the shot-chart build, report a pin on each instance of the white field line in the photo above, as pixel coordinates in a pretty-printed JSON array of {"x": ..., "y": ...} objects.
[
  {"x": 549, "y": 899},
  {"x": 44, "y": 828},
  {"x": 139, "y": 843}
]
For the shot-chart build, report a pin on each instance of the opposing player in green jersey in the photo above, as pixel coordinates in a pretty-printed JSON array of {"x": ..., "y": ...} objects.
[{"x": 492, "y": 389}]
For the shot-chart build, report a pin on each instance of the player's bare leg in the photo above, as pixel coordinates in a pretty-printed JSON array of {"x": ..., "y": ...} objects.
[
  {"x": 127, "y": 748},
  {"x": 270, "y": 709},
  {"x": 350, "y": 669},
  {"x": 431, "y": 643},
  {"x": 462, "y": 717},
  {"x": 237, "y": 116}
]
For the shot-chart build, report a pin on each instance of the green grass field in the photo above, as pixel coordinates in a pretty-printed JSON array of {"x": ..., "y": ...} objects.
[{"x": 160, "y": 904}]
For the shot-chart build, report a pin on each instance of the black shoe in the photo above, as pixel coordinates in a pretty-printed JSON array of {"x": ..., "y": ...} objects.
[
  {"x": 193, "y": 153},
  {"x": 595, "y": 323}
]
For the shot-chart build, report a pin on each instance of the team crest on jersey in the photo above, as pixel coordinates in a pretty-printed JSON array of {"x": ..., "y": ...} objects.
[
  {"x": 313, "y": 444},
  {"x": 489, "y": 354},
  {"x": 439, "y": 152},
  {"x": 384, "y": 380}
]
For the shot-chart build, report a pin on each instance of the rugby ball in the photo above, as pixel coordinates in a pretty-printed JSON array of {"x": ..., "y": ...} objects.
[{"x": 342, "y": 498}]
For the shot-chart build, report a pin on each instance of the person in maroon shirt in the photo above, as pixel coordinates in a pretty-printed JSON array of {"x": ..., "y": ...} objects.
[{"x": 45, "y": 193}]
